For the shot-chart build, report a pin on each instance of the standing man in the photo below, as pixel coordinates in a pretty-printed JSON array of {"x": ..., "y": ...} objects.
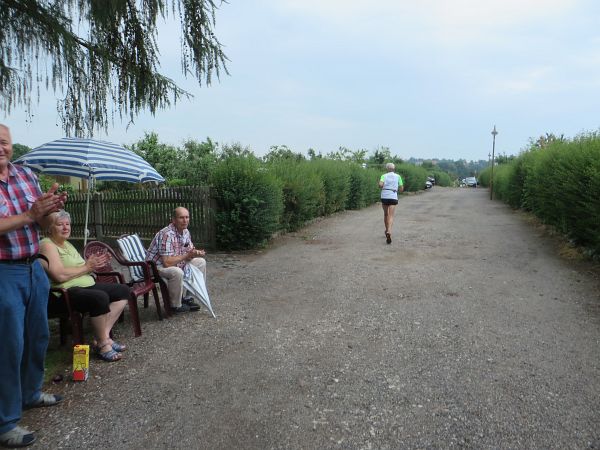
[
  {"x": 24, "y": 291},
  {"x": 173, "y": 250},
  {"x": 390, "y": 184}
]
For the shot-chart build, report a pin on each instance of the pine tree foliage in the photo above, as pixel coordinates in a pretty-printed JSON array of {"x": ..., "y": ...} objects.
[{"x": 101, "y": 56}]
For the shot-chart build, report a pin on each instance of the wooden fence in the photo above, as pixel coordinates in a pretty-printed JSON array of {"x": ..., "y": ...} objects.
[{"x": 113, "y": 213}]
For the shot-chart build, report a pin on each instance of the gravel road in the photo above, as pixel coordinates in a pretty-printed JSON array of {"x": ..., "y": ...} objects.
[{"x": 468, "y": 331}]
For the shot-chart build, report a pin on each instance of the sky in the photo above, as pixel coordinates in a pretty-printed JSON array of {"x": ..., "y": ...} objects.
[{"x": 427, "y": 79}]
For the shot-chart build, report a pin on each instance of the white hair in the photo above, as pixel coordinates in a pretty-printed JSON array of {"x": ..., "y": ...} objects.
[
  {"x": 62, "y": 214},
  {"x": 390, "y": 166}
]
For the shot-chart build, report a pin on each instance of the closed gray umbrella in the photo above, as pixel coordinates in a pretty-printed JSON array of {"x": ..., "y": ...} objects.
[{"x": 195, "y": 285}]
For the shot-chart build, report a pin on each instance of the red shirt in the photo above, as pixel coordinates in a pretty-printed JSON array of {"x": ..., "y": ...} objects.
[{"x": 17, "y": 194}]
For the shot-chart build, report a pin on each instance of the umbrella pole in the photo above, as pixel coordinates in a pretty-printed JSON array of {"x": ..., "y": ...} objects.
[{"x": 87, "y": 212}]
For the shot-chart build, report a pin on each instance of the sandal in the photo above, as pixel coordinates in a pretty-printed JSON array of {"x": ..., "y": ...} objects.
[
  {"x": 17, "y": 437},
  {"x": 117, "y": 347},
  {"x": 46, "y": 400},
  {"x": 120, "y": 348},
  {"x": 108, "y": 356}
]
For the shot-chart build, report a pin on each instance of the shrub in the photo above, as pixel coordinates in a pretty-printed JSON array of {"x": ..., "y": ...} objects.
[
  {"x": 559, "y": 182},
  {"x": 336, "y": 184},
  {"x": 303, "y": 191},
  {"x": 413, "y": 177},
  {"x": 249, "y": 202},
  {"x": 363, "y": 188},
  {"x": 46, "y": 182},
  {"x": 442, "y": 178}
]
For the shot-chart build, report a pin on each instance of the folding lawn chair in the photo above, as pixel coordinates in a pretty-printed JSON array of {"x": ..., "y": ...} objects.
[{"x": 132, "y": 250}]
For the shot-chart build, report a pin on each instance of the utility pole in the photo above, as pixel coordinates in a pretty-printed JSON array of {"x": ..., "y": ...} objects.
[{"x": 494, "y": 133}]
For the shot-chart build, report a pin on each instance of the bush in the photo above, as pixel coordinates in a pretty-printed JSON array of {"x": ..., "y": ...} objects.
[
  {"x": 563, "y": 188},
  {"x": 250, "y": 203},
  {"x": 363, "y": 188},
  {"x": 303, "y": 191},
  {"x": 336, "y": 184},
  {"x": 414, "y": 177},
  {"x": 442, "y": 178},
  {"x": 559, "y": 182},
  {"x": 46, "y": 182}
]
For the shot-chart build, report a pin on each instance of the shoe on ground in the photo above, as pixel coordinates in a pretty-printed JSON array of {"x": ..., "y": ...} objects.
[
  {"x": 46, "y": 400},
  {"x": 388, "y": 238},
  {"x": 193, "y": 304},
  {"x": 17, "y": 437},
  {"x": 180, "y": 309},
  {"x": 195, "y": 301}
]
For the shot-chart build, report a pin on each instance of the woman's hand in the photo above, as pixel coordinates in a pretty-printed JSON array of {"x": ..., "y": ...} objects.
[{"x": 97, "y": 262}]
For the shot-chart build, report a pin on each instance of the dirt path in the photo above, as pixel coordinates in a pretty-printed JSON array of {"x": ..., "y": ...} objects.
[{"x": 468, "y": 331}]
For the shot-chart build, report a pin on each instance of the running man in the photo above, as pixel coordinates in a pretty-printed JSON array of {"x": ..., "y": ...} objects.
[{"x": 390, "y": 184}]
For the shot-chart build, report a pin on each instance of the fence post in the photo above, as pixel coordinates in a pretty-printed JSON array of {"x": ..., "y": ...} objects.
[{"x": 99, "y": 220}]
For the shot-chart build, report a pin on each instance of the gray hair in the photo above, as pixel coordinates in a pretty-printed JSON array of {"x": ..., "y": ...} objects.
[
  {"x": 390, "y": 166},
  {"x": 61, "y": 214}
]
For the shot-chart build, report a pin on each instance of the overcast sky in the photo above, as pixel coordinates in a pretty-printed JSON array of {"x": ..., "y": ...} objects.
[{"x": 426, "y": 79}]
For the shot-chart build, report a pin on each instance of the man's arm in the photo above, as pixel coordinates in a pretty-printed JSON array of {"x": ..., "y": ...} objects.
[
  {"x": 44, "y": 205},
  {"x": 169, "y": 261}
]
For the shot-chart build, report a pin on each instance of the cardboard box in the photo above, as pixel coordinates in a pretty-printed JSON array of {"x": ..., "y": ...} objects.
[{"x": 81, "y": 362}]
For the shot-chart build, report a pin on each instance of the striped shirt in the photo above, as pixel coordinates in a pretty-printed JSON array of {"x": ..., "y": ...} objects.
[
  {"x": 17, "y": 195},
  {"x": 169, "y": 242}
]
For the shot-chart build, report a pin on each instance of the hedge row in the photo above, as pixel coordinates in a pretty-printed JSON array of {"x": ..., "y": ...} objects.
[
  {"x": 560, "y": 183},
  {"x": 255, "y": 199}
]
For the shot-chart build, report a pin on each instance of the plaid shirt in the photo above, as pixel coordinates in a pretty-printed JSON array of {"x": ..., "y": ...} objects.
[
  {"x": 169, "y": 242},
  {"x": 17, "y": 194}
]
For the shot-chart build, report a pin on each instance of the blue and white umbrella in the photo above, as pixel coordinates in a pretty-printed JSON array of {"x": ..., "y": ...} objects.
[{"x": 90, "y": 159}]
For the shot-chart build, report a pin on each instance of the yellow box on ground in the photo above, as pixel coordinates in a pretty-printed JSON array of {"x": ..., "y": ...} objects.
[{"x": 81, "y": 362}]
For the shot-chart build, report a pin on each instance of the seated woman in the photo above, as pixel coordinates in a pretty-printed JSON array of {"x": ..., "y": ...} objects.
[{"x": 67, "y": 269}]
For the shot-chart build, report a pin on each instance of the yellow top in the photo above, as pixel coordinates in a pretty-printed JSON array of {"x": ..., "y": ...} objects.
[{"x": 70, "y": 257}]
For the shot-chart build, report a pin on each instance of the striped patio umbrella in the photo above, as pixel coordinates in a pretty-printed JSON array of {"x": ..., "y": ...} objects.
[{"x": 90, "y": 159}]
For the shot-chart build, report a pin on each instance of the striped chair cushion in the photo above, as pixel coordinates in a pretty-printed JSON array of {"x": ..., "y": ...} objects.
[{"x": 133, "y": 250}]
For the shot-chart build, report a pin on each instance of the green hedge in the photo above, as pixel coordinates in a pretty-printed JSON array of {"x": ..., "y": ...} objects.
[
  {"x": 250, "y": 203},
  {"x": 364, "y": 190},
  {"x": 336, "y": 184},
  {"x": 559, "y": 183},
  {"x": 442, "y": 178},
  {"x": 414, "y": 177},
  {"x": 255, "y": 199},
  {"x": 303, "y": 192}
]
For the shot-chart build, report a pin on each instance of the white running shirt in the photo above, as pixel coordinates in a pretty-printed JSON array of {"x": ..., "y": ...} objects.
[{"x": 391, "y": 182}]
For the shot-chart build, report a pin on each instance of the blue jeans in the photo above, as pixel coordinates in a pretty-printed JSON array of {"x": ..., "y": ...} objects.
[{"x": 24, "y": 338}]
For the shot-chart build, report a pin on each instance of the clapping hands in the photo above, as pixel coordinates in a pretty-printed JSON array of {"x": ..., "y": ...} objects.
[
  {"x": 48, "y": 203},
  {"x": 194, "y": 253},
  {"x": 97, "y": 261}
]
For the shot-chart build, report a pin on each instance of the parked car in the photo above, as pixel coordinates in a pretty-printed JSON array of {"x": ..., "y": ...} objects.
[
  {"x": 471, "y": 182},
  {"x": 429, "y": 183}
]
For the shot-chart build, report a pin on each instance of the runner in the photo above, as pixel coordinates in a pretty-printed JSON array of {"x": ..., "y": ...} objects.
[{"x": 390, "y": 184}]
